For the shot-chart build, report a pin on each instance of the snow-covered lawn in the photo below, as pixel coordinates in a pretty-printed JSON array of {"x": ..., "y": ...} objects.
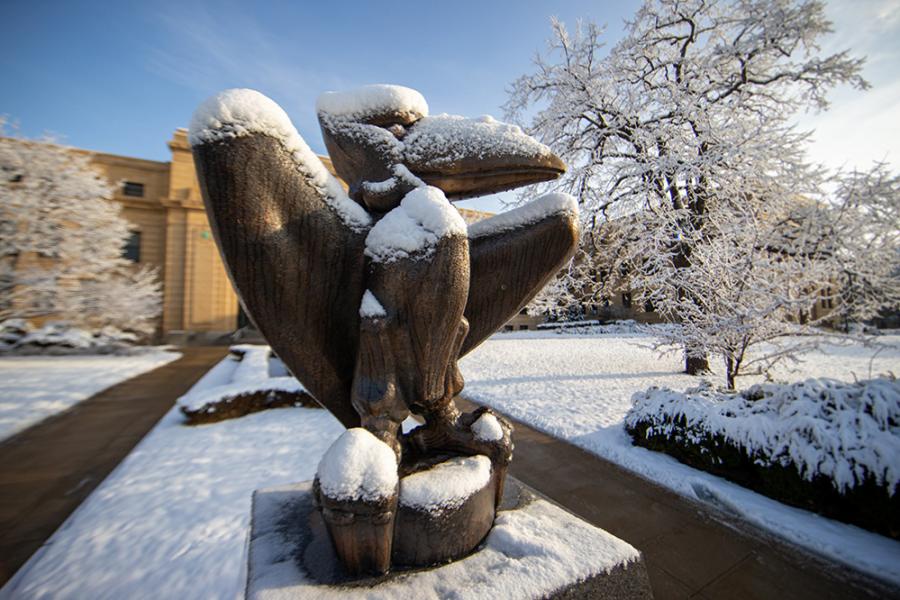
[
  {"x": 579, "y": 387},
  {"x": 171, "y": 520},
  {"x": 33, "y": 388}
]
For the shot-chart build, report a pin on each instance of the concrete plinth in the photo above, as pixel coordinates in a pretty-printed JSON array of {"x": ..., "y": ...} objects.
[{"x": 535, "y": 550}]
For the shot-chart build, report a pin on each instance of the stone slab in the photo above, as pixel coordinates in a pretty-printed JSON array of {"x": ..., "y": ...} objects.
[{"x": 536, "y": 550}]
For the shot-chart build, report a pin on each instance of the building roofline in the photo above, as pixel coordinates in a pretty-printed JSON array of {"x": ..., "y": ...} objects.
[
  {"x": 154, "y": 163},
  {"x": 111, "y": 155},
  {"x": 157, "y": 164}
]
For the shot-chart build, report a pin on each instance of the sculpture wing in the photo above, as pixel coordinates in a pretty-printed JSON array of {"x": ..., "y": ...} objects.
[
  {"x": 291, "y": 239},
  {"x": 513, "y": 255}
]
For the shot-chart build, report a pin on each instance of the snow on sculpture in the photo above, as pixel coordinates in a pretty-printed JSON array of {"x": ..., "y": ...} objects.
[{"x": 371, "y": 296}]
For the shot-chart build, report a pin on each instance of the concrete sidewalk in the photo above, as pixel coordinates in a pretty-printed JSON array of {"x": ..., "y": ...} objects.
[
  {"x": 690, "y": 549},
  {"x": 47, "y": 470}
]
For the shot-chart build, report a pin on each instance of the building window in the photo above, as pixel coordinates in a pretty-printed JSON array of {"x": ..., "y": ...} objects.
[
  {"x": 131, "y": 188},
  {"x": 132, "y": 249}
]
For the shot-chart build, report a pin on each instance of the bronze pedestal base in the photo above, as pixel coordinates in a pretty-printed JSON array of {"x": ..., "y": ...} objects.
[
  {"x": 371, "y": 538},
  {"x": 290, "y": 555}
]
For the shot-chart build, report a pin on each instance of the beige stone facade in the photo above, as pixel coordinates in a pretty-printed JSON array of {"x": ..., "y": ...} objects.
[{"x": 162, "y": 201}]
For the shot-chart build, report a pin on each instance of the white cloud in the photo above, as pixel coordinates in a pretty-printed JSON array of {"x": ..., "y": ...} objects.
[
  {"x": 862, "y": 127},
  {"x": 207, "y": 51},
  {"x": 859, "y": 129}
]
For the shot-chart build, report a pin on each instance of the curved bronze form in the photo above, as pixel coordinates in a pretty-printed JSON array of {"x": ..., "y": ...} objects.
[
  {"x": 371, "y": 296},
  {"x": 298, "y": 268}
]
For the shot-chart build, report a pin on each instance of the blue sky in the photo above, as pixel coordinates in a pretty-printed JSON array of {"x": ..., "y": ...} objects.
[{"x": 119, "y": 77}]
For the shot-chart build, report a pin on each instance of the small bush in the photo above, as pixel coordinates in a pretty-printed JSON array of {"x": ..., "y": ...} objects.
[
  {"x": 18, "y": 337},
  {"x": 239, "y": 405},
  {"x": 258, "y": 382}
]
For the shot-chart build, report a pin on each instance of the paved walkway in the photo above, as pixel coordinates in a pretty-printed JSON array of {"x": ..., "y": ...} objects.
[
  {"x": 47, "y": 470},
  {"x": 690, "y": 550}
]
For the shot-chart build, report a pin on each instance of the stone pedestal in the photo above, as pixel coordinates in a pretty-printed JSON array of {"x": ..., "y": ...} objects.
[{"x": 535, "y": 550}]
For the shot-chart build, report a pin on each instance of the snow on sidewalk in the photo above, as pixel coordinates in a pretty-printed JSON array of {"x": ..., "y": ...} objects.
[
  {"x": 33, "y": 388},
  {"x": 578, "y": 388},
  {"x": 171, "y": 520}
]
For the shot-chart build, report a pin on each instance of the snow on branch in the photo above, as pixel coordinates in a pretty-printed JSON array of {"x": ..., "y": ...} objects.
[
  {"x": 61, "y": 242},
  {"x": 695, "y": 193}
]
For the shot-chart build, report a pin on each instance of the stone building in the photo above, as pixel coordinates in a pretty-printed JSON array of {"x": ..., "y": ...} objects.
[{"x": 162, "y": 202}]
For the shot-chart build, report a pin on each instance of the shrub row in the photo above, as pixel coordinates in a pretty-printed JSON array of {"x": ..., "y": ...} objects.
[{"x": 829, "y": 446}]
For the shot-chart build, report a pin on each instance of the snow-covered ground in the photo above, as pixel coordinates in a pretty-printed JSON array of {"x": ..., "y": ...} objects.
[
  {"x": 171, "y": 520},
  {"x": 33, "y": 388},
  {"x": 579, "y": 388}
]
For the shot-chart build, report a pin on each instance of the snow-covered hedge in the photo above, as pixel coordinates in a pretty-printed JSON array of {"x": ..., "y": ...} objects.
[
  {"x": 825, "y": 445},
  {"x": 595, "y": 327},
  {"x": 568, "y": 324},
  {"x": 17, "y": 336},
  {"x": 257, "y": 382}
]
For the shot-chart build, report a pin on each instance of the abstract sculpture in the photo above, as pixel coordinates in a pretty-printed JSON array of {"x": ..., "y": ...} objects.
[{"x": 370, "y": 296}]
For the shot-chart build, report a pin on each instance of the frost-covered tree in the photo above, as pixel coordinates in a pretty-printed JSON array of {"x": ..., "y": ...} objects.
[
  {"x": 562, "y": 297},
  {"x": 754, "y": 277},
  {"x": 681, "y": 137},
  {"x": 864, "y": 224},
  {"x": 61, "y": 242}
]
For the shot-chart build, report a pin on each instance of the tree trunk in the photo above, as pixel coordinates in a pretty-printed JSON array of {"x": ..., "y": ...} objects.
[
  {"x": 730, "y": 374},
  {"x": 695, "y": 361}
]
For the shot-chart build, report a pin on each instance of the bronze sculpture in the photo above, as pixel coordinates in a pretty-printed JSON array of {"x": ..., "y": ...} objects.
[{"x": 371, "y": 296}]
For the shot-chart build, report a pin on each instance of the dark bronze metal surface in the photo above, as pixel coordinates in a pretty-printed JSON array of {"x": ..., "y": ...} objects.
[
  {"x": 423, "y": 538},
  {"x": 297, "y": 268},
  {"x": 300, "y": 272}
]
